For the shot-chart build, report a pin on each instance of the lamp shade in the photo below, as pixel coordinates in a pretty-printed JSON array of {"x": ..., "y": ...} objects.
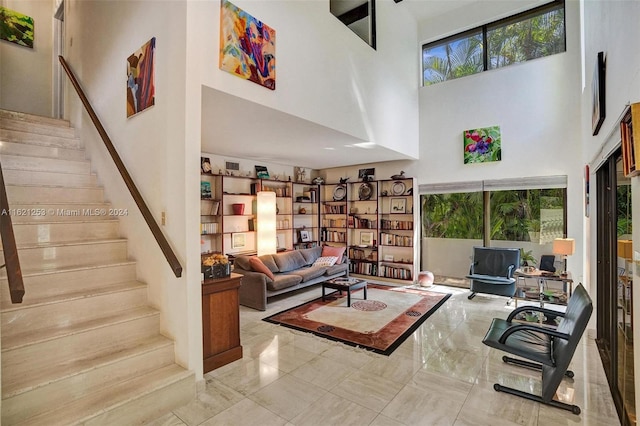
[
  {"x": 266, "y": 241},
  {"x": 564, "y": 246}
]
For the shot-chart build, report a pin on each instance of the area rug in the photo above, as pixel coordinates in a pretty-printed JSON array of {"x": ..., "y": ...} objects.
[{"x": 380, "y": 323}]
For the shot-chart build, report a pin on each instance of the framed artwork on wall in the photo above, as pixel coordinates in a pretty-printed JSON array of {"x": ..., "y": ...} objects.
[
  {"x": 598, "y": 112},
  {"x": 141, "y": 90},
  {"x": 482, "y": 145},
  {"x": 16, "y": 27},
  {"x": 247, "y": 46},
  {"x": 238, "y": 240}
]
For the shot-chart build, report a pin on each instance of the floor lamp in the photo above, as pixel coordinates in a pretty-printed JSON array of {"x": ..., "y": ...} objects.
[
  {"x": 564, "y": 247},
  {"x": 266, "y": 237}
]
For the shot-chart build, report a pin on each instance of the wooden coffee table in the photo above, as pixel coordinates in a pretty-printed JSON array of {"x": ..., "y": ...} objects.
[{"x": 346, "y": 284}]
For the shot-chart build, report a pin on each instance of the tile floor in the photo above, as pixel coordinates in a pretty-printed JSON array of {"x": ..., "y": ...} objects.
[{"x": 441, "y": 375}]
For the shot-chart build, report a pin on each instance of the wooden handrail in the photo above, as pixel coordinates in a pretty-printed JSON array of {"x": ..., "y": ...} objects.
[
  {"x": 146, "y": 213},
  {"x": 11, "y": 261}
]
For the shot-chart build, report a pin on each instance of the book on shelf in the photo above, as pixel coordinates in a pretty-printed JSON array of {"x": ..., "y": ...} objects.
[{"x": 205, "y": 189}]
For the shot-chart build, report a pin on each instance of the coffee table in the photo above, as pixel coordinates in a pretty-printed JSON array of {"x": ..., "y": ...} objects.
[{"x": 346, "y": 284}]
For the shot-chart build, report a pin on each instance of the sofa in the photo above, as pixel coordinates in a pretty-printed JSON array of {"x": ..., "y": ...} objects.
[{"x": 272, "y": 274}]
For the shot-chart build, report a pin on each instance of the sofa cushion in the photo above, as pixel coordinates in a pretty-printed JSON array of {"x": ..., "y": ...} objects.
[
  {"x": 325, "y": 261},
  {"x": 289, "y": 260},
  {"x": 334, "y": 251},
  {"x": 281, "y": 281},
  {"x": 311, "y": 254},
  {"x": 337, "y": 269},
  {"x": 309, "y": 273},
  {"x": 258, "y": 266},
  {"x": 268, "y": 261},
  {"x": 243, "y": 262}
]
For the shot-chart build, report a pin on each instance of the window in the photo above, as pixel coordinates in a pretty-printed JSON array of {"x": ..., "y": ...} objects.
[
  {"x": 527, "y": 213},
  {"x": 453, "y": 58},
  {"x": 529, "y": 35}
]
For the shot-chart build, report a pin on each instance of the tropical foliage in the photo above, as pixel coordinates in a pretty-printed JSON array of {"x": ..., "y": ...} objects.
[
  {"x": 507, "y": 42},
  {"x": 16, "y": 27},
  {"x": 513, "y": 214},
  {"x": 624, "y": 222}
]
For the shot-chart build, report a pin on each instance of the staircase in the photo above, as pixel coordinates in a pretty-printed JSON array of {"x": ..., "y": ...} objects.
[{"x": 83, "y": 347}]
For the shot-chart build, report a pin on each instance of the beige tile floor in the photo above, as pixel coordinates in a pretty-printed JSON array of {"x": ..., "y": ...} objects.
[{"x": 441, "y": 375}]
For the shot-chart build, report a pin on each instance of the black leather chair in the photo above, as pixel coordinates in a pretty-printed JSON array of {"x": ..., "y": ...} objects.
[
  {"x": 546, "y": 349},
  {"x": 492, "y": 271}
]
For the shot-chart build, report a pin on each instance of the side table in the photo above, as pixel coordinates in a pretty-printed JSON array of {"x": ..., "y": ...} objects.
[{"x": 220, "y": 321}]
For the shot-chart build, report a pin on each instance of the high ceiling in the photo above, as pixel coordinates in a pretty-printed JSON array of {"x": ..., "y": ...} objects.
[{"x": 305, "y": 143}]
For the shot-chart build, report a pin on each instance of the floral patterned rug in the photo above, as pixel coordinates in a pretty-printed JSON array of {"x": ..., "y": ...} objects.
[{"x": 380, "y": 323}]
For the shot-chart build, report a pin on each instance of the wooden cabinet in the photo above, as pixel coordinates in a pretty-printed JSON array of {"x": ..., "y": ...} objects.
[{"x": 220, "y": 322}]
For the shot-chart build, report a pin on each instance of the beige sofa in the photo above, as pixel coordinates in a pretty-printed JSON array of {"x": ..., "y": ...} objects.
[{"x": 292, "y": 270}]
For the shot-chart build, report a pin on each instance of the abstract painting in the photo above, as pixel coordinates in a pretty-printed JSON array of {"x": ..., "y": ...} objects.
[
  {"x": 482, "y": 145},
  {"x": 141, "y": 91},
  {"x": 247, "y": 46},
  {"x": 16, "y": 27}
]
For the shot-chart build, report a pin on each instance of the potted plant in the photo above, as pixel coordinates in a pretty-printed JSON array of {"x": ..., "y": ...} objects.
[
  {"x": 216, "y": 266},
  {"x": 526, "y": 258}
]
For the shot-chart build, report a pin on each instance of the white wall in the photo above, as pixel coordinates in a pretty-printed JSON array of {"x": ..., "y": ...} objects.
[
  {"x": 327, "y": 74},
  {"x": 25, "y": 73},
  {"x": 100, "y": 37},
  {"x": 536, "y": 106},
  {"x": 612, "y": 27}
]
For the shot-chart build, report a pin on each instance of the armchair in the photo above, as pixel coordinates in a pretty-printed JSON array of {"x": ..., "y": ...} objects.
[
  {"x": 492, "y": 271},
  {"x": 547, "y": 350}
]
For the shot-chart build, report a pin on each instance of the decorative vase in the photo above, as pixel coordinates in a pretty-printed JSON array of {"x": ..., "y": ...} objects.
[{"x": 238, "y": 208}]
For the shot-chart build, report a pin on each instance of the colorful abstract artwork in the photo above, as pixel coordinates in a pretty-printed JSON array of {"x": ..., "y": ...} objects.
[
  {"x": 16, "y": 27},
  {"x": 482, "y": 145},
  {"x": 141, "y": 91},
  {"x": 247, "y": 46}
]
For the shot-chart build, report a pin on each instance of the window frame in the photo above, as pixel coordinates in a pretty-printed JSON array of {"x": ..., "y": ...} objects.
[{"x": 483, "y": 29}]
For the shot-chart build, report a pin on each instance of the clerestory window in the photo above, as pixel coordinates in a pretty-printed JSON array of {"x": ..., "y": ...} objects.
[{"x": 529, "y": 35}]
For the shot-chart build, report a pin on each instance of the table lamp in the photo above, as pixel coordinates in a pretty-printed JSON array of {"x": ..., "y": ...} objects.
[{"x": 564, "y": 247}]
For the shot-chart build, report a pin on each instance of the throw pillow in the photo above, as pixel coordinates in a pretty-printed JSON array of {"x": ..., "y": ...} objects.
[
  {"x": 334, "y": 251},
  {"x": 325, "y": 261},
  {"x": 258, "y": 266}
]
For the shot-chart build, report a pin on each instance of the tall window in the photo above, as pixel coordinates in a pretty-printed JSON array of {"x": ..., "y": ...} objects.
[
  {"x": 529, "y": 35},
  {"x": 526, "y": 213}
]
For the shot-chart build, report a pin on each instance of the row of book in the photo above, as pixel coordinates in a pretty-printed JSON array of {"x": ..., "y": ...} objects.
[
  {"x": 363, "y": 268},
  {"x": 281, "y": 191},
  {"x": 359, "y": 223},
  {"x": 359, "y": 254},
  {"x": 396, "y": 273},
  {"x": 334, "y": 223},
  {"x": 333, "y": 236},
  {"x": 208, "y": 228},
  {"x": 396, "y": 224},
  {"x": 387, "y": 239},
  {"x": 335, "y": 208}
]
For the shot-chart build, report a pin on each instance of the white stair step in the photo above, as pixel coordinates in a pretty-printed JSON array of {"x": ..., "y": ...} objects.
[
  {"x": 59, "y": 212},
  {"x": 15, "y": 148},
  {"x": 57, "y": 385},
  {"x": 31, "y": 118},
  {"x": 33, "y": 351},
  {"x": 41, "y": 286},
  {"x": 31, "y": 177},
  {"x": 44, "y": 164},
  {"x": 35, "y": 139},
  {"x": 71, "y": 308},
  {"x": 38, "y": 127},
  {"x": 79, "y": 253},
  {"x": 64, "y": 231},
  {"x": 133, "y": 402},
  {"x": 20, "y": 194}
]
